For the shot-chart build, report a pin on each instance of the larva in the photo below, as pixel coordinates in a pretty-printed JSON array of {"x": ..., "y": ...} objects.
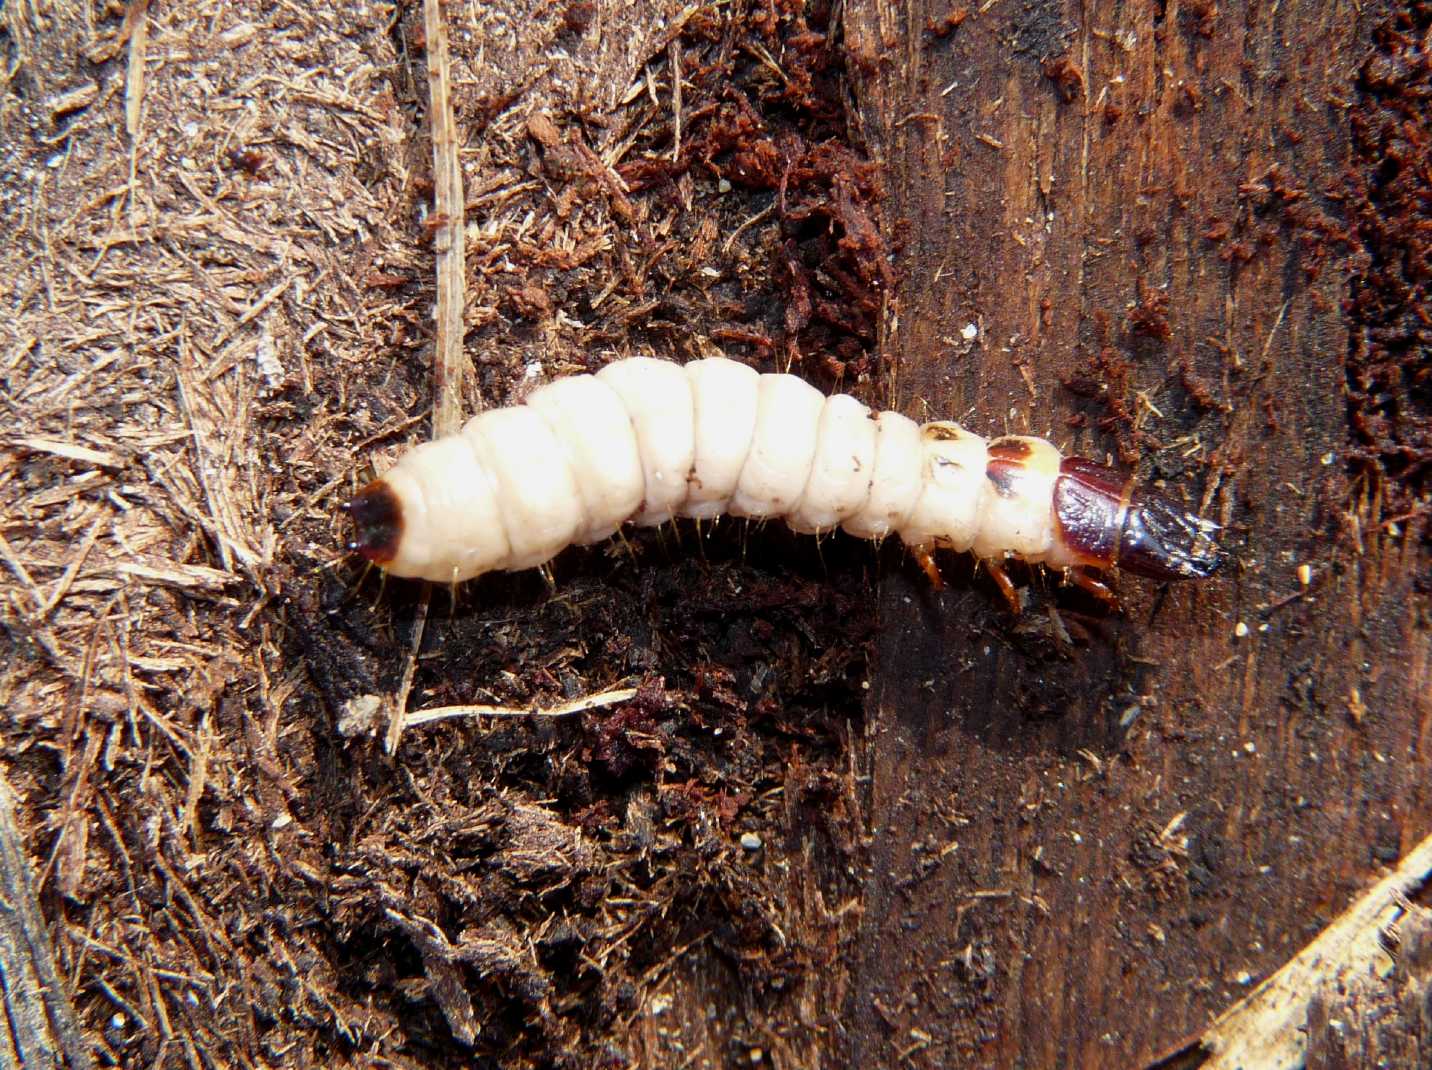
[{"x": 645, "y": 441}]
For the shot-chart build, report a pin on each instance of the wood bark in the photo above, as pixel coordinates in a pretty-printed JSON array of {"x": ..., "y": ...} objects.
[
  {"x": 38, "y": 1030},
  {"x": 1370, "y": 1022},
  {"x": 1079, "y": 857}
]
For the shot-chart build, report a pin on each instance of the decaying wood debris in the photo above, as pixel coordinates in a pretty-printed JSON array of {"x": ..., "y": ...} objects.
[{"x": 834, "y": 817}]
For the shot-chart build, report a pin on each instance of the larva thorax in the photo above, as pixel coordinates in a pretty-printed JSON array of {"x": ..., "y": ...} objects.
[{"x": 645, "y": 441}]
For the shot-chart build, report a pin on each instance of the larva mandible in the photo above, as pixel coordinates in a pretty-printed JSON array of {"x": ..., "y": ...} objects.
[{"x": 645, "y": 441}]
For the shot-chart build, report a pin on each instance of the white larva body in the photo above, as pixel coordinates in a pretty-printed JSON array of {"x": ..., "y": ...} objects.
[
  {"x": 645, "y": 441},
  {"x": 592, "y": 421},
  {"x": 723, "y": 398}
]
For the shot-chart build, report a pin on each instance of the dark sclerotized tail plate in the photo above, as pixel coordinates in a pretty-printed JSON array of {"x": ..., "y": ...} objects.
[
  {"x": 1088, "y": 506},
  {"x": 1164, "y": 541}
]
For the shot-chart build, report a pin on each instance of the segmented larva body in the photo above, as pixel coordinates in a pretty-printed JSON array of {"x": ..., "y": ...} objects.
[{"x": 645, "y": 441}]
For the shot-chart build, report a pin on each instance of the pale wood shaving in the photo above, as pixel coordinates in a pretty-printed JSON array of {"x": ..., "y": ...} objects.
[
  {"x": 72, "y": 450},
  {"x": 1268, "y": 1029}
]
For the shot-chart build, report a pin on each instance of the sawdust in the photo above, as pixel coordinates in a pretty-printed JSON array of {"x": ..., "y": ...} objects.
[{"x": 220, "y": 316}]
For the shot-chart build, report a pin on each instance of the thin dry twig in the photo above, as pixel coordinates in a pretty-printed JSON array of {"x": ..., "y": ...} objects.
[
  {"x": 71, "y": 451},
  {"x": 566, "y": 709},
  {"x": 674, "y": 55},
  {"x": 12, "y": 559},
  {"x": 449, "y": 363},
  {"x": 405, "y": 687},
  {"x": 42, "y": 1030},
  {"x": 67, "y": 578},
  {"x": 138, "y": 28}
]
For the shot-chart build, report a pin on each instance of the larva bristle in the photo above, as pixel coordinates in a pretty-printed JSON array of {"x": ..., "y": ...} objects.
[{"x": 377, "y": 521}]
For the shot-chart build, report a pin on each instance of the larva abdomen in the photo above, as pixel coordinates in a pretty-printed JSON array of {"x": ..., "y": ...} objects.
[
  {"x": 724, "y": 397},
  {"x": 591, "y": 421},
  {"x": 657, "y": 395},
  {"x": 841, "y": 468},
  {"x": 783, "y": 444},
  {"x": 647, "y": 440}
]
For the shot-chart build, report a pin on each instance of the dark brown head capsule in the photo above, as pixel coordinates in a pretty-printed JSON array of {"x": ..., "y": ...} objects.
[
  {"x": 1104, "y": 521},
  {"x": 377, "y": 522},
  {"x": 1163, "y": 540}
]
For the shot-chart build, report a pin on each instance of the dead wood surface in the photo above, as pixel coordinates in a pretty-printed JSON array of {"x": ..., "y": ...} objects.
[
  {"x": 1372, "y": 960},
  {"x": 1370, "y": 1021},
  {"x": 1077, "y": 859},
  {"x": 839, "y": 819}
]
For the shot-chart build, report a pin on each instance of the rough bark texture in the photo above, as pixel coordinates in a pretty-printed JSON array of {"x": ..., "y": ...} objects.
[
  {"x": 38, "y": 1030},
  {"x": 845, "y": 820}
]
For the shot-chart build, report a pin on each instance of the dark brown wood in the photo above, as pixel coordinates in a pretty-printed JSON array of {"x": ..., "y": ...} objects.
[{"x": 1079, "y": 855}]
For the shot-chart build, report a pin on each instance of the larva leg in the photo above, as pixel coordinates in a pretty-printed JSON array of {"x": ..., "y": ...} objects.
[
  {"x": 1005, "y": 585},
  {"x": 926, "y": 560},
  {"x": 1095, "y": 586}
]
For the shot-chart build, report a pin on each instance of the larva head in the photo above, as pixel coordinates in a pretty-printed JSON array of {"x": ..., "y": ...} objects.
[
  {"x": 1103, "y": 521},
  {"x": 1164, "y": 541},
  {"x": 377, "y": 517}
]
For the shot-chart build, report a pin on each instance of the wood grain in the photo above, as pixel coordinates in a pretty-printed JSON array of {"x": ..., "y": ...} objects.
[{"x": 1080, "y": 855}]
